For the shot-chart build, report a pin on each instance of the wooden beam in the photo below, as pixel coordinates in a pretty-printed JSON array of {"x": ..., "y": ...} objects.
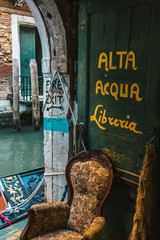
[
  {"x": 15, "y": 76},
  {"x": 35, "y": 95}
]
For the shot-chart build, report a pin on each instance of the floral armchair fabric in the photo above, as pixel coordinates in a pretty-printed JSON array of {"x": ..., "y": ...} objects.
[{"x": 89, "y": 176}]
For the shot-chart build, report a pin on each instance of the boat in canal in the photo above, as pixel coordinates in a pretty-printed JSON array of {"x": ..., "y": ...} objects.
[{"x": 18, "y": 192}]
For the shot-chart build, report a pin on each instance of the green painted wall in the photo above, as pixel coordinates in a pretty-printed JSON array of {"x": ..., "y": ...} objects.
[{"x": 118, "y": 88}]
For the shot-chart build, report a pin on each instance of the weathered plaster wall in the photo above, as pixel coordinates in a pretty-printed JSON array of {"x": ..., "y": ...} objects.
[
  {"x": 6, "y": 38},
  {"x": 69, "y": 13},
  {"x": 6, "y": 9},
  {"x": 63, "y": 39},
  {"x": 5, "y": 54}
]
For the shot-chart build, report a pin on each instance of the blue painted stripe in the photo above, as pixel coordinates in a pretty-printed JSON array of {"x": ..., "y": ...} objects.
[{"x": 56, "y": 124}]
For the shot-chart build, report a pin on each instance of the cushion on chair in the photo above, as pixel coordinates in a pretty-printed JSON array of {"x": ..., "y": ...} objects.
[
  {"x": 96, "y": 228},
  {"x": 60, "y": 235},
  {"x": 47, "y": 218},
  {"x": 90, "y": 182}
]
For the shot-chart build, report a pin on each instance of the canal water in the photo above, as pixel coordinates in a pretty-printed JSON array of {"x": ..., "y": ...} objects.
[{"x": 20, "y": 151}]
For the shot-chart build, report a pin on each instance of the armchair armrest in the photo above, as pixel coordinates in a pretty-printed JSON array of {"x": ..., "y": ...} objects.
[
  {"x": 95, "y": 229},
  {"x": 44, "y": 218}
]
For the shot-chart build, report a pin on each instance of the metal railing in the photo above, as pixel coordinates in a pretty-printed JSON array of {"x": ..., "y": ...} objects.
[{"x": 25, "y": 87}]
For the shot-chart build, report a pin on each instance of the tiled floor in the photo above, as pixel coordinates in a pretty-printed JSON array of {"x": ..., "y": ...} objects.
[{"x": 13, "y": 232}]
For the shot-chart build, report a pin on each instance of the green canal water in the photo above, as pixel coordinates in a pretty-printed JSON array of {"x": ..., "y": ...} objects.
[{"x": 20, "y": 151}]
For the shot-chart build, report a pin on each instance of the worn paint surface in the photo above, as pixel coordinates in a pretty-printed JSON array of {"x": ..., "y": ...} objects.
[
  {"x": 118, "y": 75},
  {"x": 27, "y": 46},
  {"x": 114, "y": 108},
  {"x": 118, "y": 80},
  {"x": 56, "y": 136}
]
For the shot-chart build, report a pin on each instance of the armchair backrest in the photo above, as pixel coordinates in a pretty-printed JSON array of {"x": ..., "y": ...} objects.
[{"x": 89, "y": 175}]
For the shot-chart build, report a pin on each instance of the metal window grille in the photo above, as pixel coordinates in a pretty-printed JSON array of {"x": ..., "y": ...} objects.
[{"x": 25, "y": 87}]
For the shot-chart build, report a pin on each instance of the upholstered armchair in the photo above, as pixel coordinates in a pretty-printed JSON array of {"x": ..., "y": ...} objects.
[{"x": 89, "y": 176}]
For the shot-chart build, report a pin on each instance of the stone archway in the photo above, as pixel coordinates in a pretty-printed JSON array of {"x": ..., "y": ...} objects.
[
  {"x": 51, "y": 31},
  {"x": 43, "y": 36},
  {"x": 53, "y": 40}
]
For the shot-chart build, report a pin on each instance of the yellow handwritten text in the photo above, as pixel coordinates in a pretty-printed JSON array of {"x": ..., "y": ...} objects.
[
  {"x": 100, "y": 118},
  {"x": 107, "y": 61},
  {"x": 118, "y": 90}
]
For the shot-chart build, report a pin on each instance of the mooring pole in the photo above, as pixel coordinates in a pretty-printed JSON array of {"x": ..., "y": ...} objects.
[
  {"x": 35, "y": 95},
  {"x": 15, "y": 79}
]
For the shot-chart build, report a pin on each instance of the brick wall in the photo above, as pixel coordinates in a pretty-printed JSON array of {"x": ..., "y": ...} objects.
[
  {"x": 5, "y": 54},
  {"x": 6, "y": 9}
]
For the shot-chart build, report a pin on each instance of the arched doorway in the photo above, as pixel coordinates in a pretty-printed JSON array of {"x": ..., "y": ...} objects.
[{"x": 54, "y": 53}]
